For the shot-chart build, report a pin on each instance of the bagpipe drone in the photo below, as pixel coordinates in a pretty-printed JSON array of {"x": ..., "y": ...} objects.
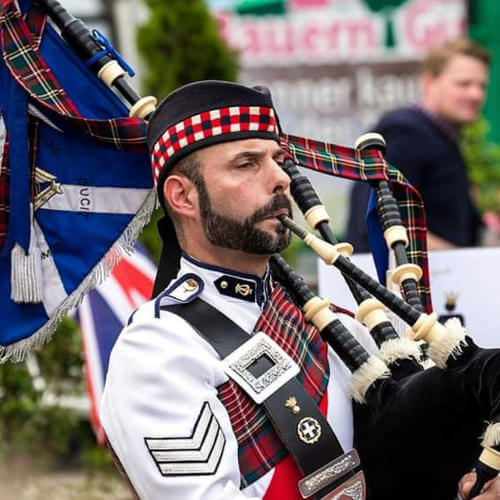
[{"x": 63, "y": 155}]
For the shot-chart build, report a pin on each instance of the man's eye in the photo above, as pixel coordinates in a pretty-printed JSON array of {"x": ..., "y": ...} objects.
[{"x": 245, "y": 165}]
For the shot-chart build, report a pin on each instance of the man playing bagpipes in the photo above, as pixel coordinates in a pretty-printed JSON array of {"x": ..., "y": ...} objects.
[{"x": 220, "y": 387}]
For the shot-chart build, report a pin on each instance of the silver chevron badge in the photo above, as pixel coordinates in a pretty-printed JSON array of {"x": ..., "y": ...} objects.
[{"x": 198, "y": 454}]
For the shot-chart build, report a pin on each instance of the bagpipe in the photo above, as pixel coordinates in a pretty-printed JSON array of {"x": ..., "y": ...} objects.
[{"x": 416, "y": 429}]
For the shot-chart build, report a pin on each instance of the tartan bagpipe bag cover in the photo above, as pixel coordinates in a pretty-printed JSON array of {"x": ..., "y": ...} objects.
[{"x": 75, "y": 179}]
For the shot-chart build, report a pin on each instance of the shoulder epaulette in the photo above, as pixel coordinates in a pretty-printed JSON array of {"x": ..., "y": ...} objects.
[{"x": 181, "y": 291}]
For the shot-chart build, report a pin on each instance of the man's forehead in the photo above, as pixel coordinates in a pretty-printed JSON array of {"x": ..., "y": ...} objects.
[
  {"x": 234, "y": 148},
  {"x": 463, "y": 64}
]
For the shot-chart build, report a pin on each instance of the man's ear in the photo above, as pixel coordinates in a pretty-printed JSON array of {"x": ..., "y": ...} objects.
[
  {"x": 426, "y": 81},
  {"x": 181, "y": 195}
]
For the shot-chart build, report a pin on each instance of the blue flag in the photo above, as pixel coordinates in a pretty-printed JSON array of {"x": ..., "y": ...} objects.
[{"x": 75, "y": 179}]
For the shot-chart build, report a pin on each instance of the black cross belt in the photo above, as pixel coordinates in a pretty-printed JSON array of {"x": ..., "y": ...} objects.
[{"x": 252, "y": 362}]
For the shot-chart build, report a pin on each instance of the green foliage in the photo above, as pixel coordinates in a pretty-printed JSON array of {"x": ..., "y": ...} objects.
[
  {"x": 41, "y": 433},
  {"x": 34, "y": 432},
  {"x": 483, "y": 162},
  {"x": 180, "y": 44}
]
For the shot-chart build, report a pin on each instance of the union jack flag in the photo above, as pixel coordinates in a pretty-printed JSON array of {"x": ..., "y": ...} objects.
[{"x": 103, "y": 313}]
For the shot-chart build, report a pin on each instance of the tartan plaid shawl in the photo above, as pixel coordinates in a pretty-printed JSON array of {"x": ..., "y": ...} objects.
[
  {"x": 371, "y": 166},
  {"x": 259, "y": 448}
]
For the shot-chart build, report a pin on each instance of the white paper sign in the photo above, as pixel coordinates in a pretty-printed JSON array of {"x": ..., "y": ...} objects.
[{"x": 471, "y": 275}]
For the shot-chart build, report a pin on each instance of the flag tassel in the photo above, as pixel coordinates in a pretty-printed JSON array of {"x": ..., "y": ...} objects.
[{"x": 26, "y": 276}]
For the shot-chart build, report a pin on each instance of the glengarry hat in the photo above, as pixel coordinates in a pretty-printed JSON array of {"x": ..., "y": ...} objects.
[
  {"x": 195, "y": 116},
  {"x": 209, "y": 112}
]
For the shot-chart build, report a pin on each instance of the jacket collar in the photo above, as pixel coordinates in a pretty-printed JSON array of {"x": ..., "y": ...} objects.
[{"x": 230, "y": 283}]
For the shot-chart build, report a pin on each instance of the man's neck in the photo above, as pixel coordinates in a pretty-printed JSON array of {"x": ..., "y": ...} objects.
[
  {"x": 450, "y": 128},
  {"x": 231, "y": 259}
]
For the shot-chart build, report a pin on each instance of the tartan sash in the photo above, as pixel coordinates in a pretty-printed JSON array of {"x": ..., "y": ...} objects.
[
  {"x": 369, "y": 166},
  {"x": 259, "y": 448}
]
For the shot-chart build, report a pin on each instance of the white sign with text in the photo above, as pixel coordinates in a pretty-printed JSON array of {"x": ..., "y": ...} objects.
[{"x": 468, "y": 278}]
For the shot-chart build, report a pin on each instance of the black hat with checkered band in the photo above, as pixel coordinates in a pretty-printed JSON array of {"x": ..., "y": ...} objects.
[
  {"x": 204, "y": 113},
  {"x": 195, "y": 116}
]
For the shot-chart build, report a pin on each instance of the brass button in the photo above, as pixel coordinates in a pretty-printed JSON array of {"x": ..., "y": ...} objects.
[
  {"x": 223, "y": 284},
  {"x": 190, "y": 285}
]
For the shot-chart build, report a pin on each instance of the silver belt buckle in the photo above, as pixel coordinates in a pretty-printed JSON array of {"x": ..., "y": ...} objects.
[
  {"x": 330, "y": 473},
  {"x": 260, "y": 388}
]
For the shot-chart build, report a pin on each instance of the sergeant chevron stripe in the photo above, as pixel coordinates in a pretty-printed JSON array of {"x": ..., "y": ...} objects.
[{"x": 198, "y": 454}]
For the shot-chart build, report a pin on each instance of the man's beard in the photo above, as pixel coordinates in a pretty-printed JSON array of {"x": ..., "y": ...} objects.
[{"x": 226, "y": 232}]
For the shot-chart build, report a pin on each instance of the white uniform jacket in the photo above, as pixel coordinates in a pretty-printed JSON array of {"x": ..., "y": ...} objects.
[{"x": 160, "y": 398}]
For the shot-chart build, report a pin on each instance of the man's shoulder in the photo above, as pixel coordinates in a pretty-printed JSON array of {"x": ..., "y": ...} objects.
[
  {"x": 154, "y": 327},
  {"x": 406, "y": 118},
  {"x": 180, "y": 290}
]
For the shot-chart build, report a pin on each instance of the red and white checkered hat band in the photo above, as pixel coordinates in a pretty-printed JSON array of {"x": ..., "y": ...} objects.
[{"x": 210, "y": 124}]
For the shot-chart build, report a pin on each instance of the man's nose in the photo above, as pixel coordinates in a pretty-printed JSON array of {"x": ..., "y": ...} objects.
[
  {"x": 477, "y": 93},
  {"x": 279, "y": 178}
]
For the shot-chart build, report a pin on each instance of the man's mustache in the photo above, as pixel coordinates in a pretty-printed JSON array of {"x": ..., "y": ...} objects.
[{"x": 278, "y": 202}]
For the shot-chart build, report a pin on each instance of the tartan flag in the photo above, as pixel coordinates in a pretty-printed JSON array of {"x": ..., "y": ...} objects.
[
  {"x": 103, "y": 313},
  {"x": 75, "y": 179}
]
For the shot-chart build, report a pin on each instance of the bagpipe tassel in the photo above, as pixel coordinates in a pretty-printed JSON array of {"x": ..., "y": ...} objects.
[
  {"x": 393, "y": 350},
  {"x": 26, "y": 276},
  {"x": 491, "y": 435},
  {"x": 365, "y": 376},
  {"x": 448, "y": 345}
]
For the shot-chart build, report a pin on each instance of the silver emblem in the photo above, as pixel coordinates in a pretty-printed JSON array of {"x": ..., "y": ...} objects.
[
  {"x": 260, "y": 388},
  {"x": 328, "y": 474}
]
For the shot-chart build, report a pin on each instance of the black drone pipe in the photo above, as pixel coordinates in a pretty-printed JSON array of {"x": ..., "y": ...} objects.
[
  {"x": 400, "y": 355},
  {"x": 333, "y": 257},
  {"x": 93, "y": 50},
  {"x": 309, "y": 203},
  {"x": 406, "y": 274}
]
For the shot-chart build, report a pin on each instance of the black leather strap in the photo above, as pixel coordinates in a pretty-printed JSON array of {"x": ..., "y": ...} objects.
[{"x": 225, "y": 336}]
